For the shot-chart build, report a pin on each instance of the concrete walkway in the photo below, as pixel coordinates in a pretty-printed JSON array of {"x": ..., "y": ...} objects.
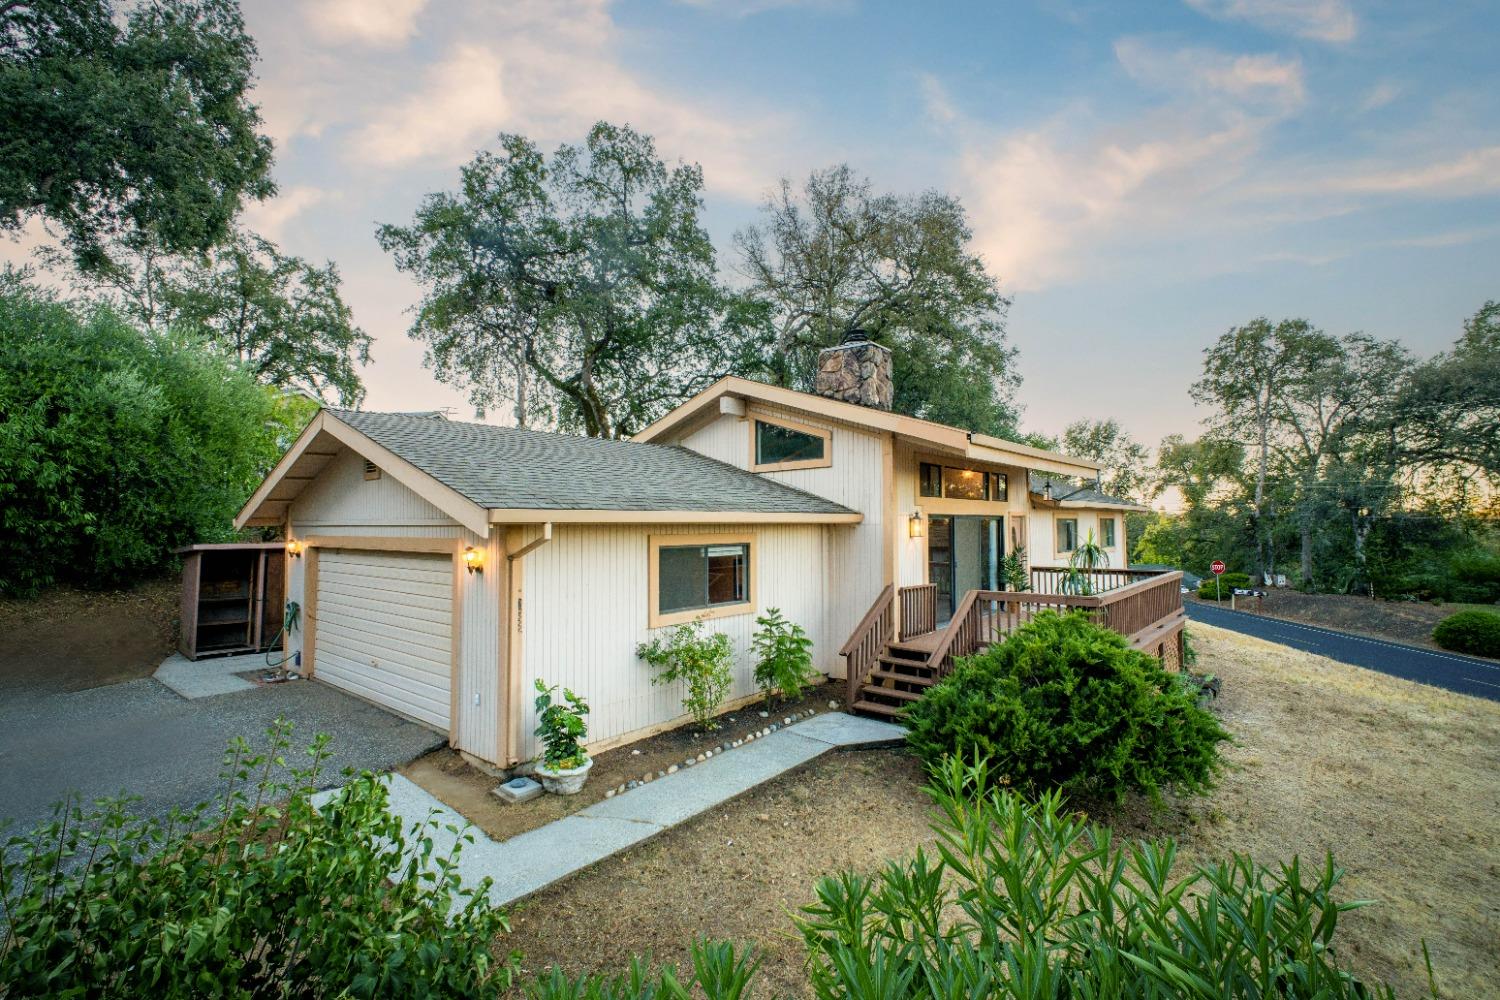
[
  {"x": 206, "y": 678},
  {"x": 531, "y": 861}
]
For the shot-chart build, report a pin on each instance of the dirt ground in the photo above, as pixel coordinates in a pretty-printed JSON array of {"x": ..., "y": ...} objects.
[
  {"x": 1403, "y": 621},
  {"x": 1402, "y": 781},
  {"x": 452, "y": 780},
  {"x": 75, "y": 639}
]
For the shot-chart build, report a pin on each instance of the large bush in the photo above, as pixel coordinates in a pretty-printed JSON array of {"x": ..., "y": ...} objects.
[
  {"x": 1065, "y": 704},
  {"x": 117, "y": 446},
  {"x": 1045, "y": 906},
  {"x": 271, "y": 898},
  {"x": 1476, "y": 632}
]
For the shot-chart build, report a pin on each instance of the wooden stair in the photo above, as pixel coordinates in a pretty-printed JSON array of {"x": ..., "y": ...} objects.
[{"x": 900, "y": 678}]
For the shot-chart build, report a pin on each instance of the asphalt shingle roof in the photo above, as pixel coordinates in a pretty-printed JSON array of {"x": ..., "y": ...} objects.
[
  {"x": 1064, "y": 488},
  {"x": 507, "y": 468}
]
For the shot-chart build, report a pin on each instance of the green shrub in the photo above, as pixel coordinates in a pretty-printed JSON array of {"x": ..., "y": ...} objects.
[
  {"x": 1476, "y": 576},
  {"x": 1476, "y": 632},
  {"x": 271, "y": 895},
  {"x": 784, "y": 655},
  {"x": 1063, "y": 703},
  {"x": 720, "y": 970},
  {"x": 1227, "y": 583},
  {"x": 1046, "y": 906},
  {"x": 117, "y": 447},
  {"x": 702, "y": 663},
  {"x": 560, "y": 726}
]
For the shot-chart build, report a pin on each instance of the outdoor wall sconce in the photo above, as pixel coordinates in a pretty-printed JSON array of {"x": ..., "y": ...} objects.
[
  {"x": 914, "y": 525},
  {"x": 1047, "y": 490},
  {"x": 473, "y": 559},
  {"x": 294, "y": 548}
]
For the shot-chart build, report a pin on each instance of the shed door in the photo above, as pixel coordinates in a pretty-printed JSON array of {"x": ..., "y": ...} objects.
[{"x": 385, "y": 629}]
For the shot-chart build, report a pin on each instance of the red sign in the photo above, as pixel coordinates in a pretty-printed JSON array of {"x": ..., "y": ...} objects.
[{"x": 1216, "y": 567}]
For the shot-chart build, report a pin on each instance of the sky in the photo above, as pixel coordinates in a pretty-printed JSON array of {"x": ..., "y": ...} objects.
[{"x": 1139, "y": 177}]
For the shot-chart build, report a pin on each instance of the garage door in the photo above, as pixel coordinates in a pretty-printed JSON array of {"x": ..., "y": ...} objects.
[{"x": 385, "y": 629}]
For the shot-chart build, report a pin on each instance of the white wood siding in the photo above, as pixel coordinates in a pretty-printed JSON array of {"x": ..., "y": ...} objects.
[
  {"x": 342, "y": 503},
  {"x": 585, "y": 610},
  {"x": 385, "y": 627},
  {"x": 1044, "y": 535},
  {"x": 853, "y": 573}
]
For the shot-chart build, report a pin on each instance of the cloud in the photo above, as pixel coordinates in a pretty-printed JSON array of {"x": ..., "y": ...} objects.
[
  {"x": 461, "y": 101},
  {"x": 1247, "y": 79},
  {"x": 1380, "y": 95},
  {"x": 379, "y": 23},
  {"x": 1322, "y": 20},
  {"x": 748, "y": 8},
  {"x": 1045, "y": 201},
  {"x": 549, "y": 72},
  {"x": 1470, "y": 172},
  {"x": 270, "y": 218}
]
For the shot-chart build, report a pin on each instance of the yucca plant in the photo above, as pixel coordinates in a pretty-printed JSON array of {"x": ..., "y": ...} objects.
[{"x": 1088, "y": 556}]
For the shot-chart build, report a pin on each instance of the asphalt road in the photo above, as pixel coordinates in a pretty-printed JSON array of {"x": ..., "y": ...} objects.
[
  {"x": 141, "y": 739},
  {"x": 1453, "y": 671}
]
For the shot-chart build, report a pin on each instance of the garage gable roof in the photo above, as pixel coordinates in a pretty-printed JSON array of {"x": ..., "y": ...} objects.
[{"x": 482, "y": 468}]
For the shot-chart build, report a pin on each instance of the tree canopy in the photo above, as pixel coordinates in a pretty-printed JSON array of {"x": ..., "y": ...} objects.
[
  {"x": 580, "y": 288},
  {"x": 833, "y": 256},
  {"x": 280, "y": 316},
  {"x": 123, "y": 118}
]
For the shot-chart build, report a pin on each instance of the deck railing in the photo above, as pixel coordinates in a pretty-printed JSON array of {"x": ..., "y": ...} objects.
[
  {"x": 1143, "y": 612},
  {"x": 918, "y": 609},
  {"x": 870, "y": 636},
  {"x": 1055, "y": 579}
]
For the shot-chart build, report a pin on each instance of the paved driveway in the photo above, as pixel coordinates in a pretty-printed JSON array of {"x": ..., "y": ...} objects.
[
  {"x": 142, "y": 739},
  {"x": 1464, "y": 674}
]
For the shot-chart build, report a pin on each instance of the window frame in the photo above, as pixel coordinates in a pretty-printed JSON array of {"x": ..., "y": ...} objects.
[
  {"x": 655, "y": 618},
  {"x": 754, "y": 419},
  {"x": 1114, "y": 531},
  {"x": 1057, "y": 523},
  {"x": 996, "y": 483}
]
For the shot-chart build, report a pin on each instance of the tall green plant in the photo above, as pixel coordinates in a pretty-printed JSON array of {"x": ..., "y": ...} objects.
[
  {"x": 266, "y": 892},
  {"x": 701, "y": 663},
  {"x": 784, "y": 656}
]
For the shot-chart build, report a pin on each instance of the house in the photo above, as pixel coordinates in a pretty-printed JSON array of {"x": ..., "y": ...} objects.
[{"x": 443, "y": 567}]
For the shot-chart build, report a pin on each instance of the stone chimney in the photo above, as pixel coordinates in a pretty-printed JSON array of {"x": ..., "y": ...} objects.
[{"x": 858, "y": 370}]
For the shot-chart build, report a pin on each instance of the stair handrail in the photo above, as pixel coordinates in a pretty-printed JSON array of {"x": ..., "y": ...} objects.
[{"x": 874, "y": 630}]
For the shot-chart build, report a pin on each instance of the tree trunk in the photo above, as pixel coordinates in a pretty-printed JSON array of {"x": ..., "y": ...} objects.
[
  {"x": 1307, "y": 548},
  {"x": 1260, "y": 491}
]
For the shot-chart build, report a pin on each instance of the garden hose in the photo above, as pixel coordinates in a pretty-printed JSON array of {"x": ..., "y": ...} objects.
[{"x": 288, "y": 626}]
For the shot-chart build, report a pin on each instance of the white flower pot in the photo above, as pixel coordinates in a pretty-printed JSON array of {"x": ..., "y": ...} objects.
[{"x": 564, "y": 781}]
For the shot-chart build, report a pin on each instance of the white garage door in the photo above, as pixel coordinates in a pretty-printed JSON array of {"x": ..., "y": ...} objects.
[{"x": 385, "y": 629}]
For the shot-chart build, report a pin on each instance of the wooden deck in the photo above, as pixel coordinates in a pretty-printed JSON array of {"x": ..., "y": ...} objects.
[{"x": 889, "y": 667}]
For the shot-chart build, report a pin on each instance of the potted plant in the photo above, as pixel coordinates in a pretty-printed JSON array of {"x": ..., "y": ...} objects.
[{"x": 564, "y": 766}]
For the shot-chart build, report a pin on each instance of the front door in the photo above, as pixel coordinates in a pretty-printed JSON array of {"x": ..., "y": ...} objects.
[{"x": 963, "y": 554}]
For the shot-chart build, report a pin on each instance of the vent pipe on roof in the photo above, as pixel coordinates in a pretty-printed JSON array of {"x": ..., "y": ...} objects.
[{"x": 857, "y": 370}]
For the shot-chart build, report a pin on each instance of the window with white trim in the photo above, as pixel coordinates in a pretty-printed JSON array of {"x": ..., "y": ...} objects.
[{"x": 1067, "y": 534}]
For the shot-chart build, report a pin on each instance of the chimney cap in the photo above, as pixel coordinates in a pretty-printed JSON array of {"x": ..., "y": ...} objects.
[{"x": 856, "y": 337}]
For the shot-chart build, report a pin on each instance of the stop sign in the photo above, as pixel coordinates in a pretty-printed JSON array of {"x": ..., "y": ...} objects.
[{"x": 1217, "y": 567}]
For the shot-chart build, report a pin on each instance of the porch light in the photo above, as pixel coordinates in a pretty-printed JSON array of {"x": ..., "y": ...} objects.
[
  {"x": 473, "y": 559},
  {"x": 1047, "y": 489},
  {"x": 914, "y": 525},
  {"x": 294, "y": 548}
]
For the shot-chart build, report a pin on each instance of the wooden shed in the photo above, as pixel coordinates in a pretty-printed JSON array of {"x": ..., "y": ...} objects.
[{"x": 232, "y": 598}]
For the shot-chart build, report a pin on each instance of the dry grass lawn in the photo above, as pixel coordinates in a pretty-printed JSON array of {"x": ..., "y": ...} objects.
[{"x": 1401, "y": 781}]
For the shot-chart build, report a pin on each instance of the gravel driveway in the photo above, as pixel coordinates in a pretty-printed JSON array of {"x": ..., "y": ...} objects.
[{"x": 141, "y": 739}]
